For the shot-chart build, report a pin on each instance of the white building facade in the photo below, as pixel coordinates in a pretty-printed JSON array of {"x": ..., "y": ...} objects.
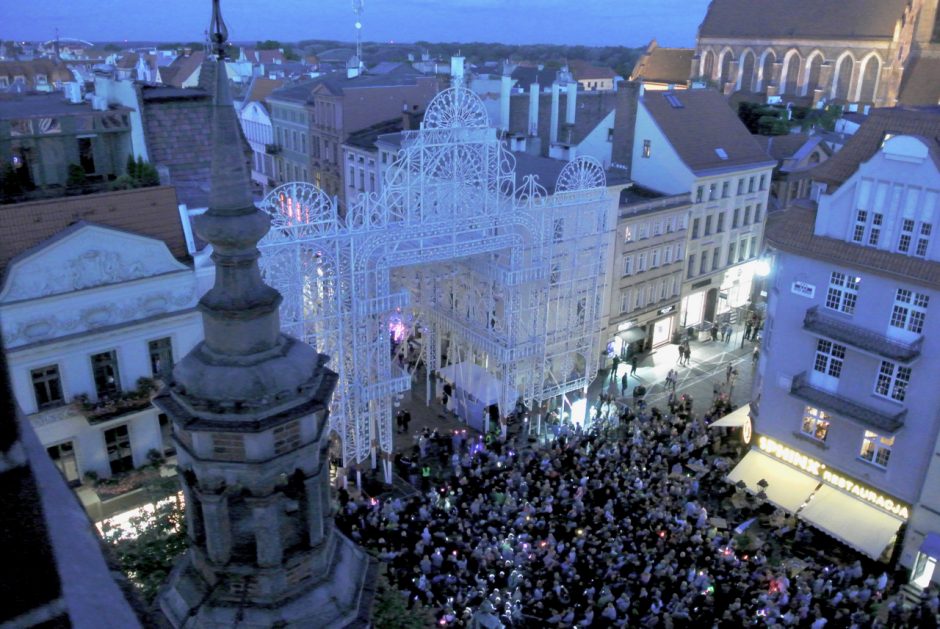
[
  {"x": 847, "y": 407},
  {"x": 256, "y": 124},
  {"x": 690, "y": 141},
  {"x": 97, "y": 314}
]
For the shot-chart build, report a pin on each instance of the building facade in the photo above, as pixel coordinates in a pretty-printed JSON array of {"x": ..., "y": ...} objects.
[
  {"x": 847, "y": 403},
  {"x": 256, "y": 124},
  {"x": 647, "y": 273},
  {"x": 691, "y": 141},
  {"x": 314, "y": 118},
  {"x": 808, "y": 52},
  {"x": 92, "y": 314}
]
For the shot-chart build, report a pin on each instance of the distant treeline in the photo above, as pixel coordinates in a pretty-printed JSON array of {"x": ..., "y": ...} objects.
[{"x": 620, "y": 58}]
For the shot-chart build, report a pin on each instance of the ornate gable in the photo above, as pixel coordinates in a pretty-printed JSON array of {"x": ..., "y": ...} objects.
[{"x": 85, "y": 256}]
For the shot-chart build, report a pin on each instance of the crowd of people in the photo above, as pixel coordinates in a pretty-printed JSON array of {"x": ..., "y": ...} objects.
[{"x": 611, "y": 528}]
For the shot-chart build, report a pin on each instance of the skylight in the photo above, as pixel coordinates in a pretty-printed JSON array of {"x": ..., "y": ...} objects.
[
  {"x": 721, "y": 153},
  {"x": 674, "y": 101}
]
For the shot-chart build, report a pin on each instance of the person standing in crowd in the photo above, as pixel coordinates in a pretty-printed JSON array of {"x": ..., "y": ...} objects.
[
  {"x": 672, "y": 379},
  {"x": 634, "y": 361},
  {"x": 726, "y": 333},
  {"x": 623, "y": 384}
]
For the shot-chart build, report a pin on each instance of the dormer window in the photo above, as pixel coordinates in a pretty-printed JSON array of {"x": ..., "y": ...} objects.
[
  {"x": 914, "y": 237},
  {"x": 867, "y": 229}
]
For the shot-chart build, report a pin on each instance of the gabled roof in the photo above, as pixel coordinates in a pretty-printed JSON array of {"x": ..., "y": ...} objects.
[
  {"x": 366, "y": 138},
  {"x": 29, "y": 69},
  {"x": 664, "y": 65},
  {"x": 781, "y": 147},
  {"x": 704, "y": 130},
  {"x": 584, "y": 71},
  {"x": 150, "y": 212},
  {"x": 806, "y": 19},
  {"x": 182, "y": 68},
  {"x": 336, "y": 82},
  {"x": 920, "y": 121},
  {"x": 260, "y": 88}
]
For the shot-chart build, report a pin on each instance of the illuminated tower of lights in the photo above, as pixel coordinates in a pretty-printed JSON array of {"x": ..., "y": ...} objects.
[{"x": 249, "y": 407}]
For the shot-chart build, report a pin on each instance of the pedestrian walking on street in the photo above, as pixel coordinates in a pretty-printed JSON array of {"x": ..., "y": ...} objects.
[
  {"x": 616, "y": 363},
  {"x": 715, "y": 331},
  {"x": 623, "y": 384},
  {"x": 755, "y": 355},
  {"x": 633, "y": 364},
  {"x": 748, "y": 326},
  {"x": 728, "y": 371},
  {"x": 688, "y": 354},
  {"x": 726, "y": 332},
  {"x": 671, "y": 379}
]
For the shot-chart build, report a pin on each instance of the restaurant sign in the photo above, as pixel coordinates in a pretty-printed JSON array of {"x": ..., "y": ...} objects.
[{"x": 835, "y": 479}]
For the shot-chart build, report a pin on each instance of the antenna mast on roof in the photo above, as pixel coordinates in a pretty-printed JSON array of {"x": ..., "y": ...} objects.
[{"x": 357, "y": 9}]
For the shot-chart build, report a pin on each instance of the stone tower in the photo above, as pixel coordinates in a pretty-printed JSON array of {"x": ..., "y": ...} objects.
[{"x": 249, "y": 407}]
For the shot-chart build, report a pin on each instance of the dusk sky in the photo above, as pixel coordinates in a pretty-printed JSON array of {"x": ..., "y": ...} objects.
[{"x": 589, "y": 22}]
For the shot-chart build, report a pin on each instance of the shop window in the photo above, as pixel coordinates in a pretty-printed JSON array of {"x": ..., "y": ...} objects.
[
  {"x": 47, "y": 387},
  {"x": 161, "y": 357},
  {"x": 118, "y": 442},
  {"x": 104, "y": 367},
  {"x": 876, "y": 449},
  {"x": 63, "y": 455},
  {"x": 910, "y": 310},
  {"x": 892, "y": 381},
  {"x": 829, "y": 358},
  {"x": 815, "y": 423},
  {"x": 843, "y": 292}
]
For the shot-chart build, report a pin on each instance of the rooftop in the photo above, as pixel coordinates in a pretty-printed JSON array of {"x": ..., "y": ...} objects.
[
  {"x": 806, "y": 19},
  {"x": 921, "y": 82},
  {"x": 45, "y": 105},
  {"x": 860, "y": 147},
  {"x": 792, "y": 230},
  {"x": 337, "y": 82},
  {"x": 150, "y": 212},
  {"x": 366, "y": 138},
  {"x": 664, "y": 65},
  {"x": 704, "y": 130}
]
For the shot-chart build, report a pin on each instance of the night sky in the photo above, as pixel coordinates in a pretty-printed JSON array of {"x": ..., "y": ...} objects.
[{"x": 588, "y": 22}]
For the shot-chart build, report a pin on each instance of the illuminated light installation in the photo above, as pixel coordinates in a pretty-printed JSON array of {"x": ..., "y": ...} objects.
[{"x": 499, "y": 272}]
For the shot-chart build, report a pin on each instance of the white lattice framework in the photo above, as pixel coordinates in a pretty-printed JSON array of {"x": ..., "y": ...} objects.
[{"x": 508, "y": 274}]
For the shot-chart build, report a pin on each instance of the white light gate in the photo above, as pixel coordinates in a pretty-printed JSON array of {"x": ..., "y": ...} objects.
[{"x": 507, "y": 276}]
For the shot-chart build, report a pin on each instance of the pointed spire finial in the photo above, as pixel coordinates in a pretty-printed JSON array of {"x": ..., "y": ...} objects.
[{"x": 219, "y": 31}]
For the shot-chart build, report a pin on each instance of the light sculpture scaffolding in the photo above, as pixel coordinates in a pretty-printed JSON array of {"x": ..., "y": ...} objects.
[{"x": 507, "y": 276}]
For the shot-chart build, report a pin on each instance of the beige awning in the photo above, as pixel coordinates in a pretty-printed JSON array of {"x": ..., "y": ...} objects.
[
  {"x": 786, "y": 487},
  {"x": 733, "y": 419},
  {"x": 848, "y": 519}
]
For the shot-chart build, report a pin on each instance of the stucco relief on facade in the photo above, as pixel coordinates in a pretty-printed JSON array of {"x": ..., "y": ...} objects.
[{"x": 29, "y": 328}]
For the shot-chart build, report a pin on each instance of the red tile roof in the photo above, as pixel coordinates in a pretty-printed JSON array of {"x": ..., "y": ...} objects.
[
  {"x": 698, "y": 123},
  {"x": 664, "y": 65},
  {"x": 149, "y": 212},
  {"x": 923, "y": 122},
  {"x": 792, "y": 230}
]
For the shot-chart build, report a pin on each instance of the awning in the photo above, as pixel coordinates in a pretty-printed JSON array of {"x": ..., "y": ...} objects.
[
  {"x": 786, "y": 487},
  {"x": 931, "y": 545},
  {"x": 734, "y": 419},
  {"x": 849, "y": 520}
]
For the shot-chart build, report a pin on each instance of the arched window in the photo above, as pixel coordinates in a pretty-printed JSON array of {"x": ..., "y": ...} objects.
[
  {"x": 726, "y": 58},
  {"x": 811, "y": 82},
  {"x": 766, "y": 71},
  {"x": 708, "y": 65},
  {"x": 791, "y": 73},
  {"x": 843, "y": 80},
  {"x": 869, "y": 79},
  {"x": 747, "y": 72}
]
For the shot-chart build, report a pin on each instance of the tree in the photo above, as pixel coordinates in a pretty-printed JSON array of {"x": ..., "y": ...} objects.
[
  {"x": 149, "y": 546},
  {"x": 268, "y": 44}
]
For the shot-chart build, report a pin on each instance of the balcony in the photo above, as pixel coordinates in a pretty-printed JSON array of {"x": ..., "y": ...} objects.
[
  {"x": 817, "y": 322},
  {"x": 119, "y": 405},
  {"x": 875, "y": 419},
  {"x": 272, "y": 149}
]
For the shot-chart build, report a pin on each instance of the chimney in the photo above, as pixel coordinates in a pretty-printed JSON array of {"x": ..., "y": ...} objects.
[
  {"x": 571, "y": 102},
  {"x": 505, "y": 87},
  {"x": 534, "y": 109},
  {"x": 553, "y": 131},
  {"x": 457, "y": 71}
]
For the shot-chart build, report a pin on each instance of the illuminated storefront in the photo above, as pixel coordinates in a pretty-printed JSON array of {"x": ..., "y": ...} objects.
[{"x": 845, "y": 508}]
